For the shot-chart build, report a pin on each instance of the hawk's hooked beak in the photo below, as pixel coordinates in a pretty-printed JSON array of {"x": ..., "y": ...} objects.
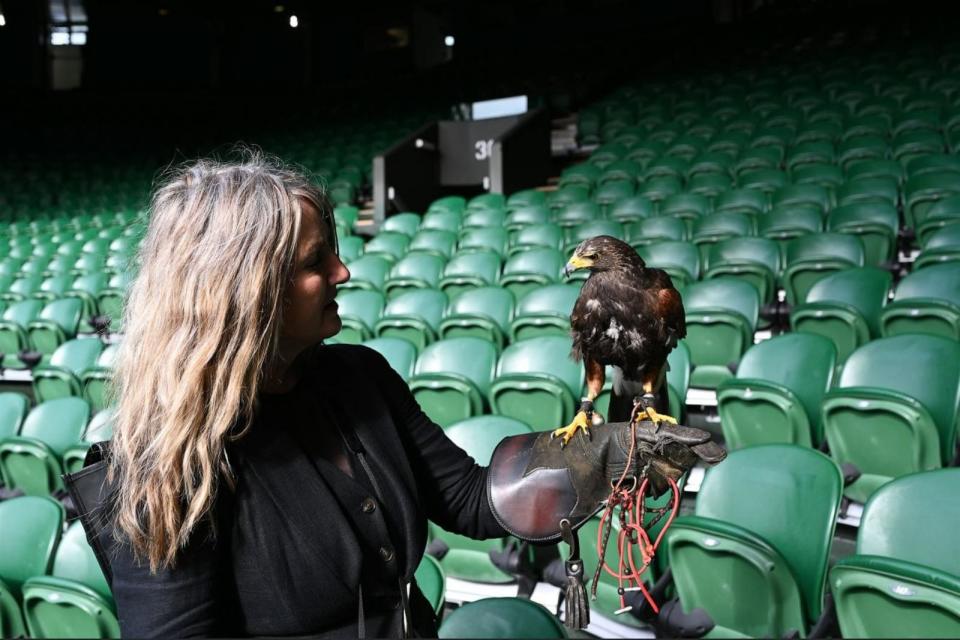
[{"x": 575, "y": 262}]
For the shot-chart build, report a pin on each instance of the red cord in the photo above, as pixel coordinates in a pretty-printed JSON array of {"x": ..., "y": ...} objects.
[{"x": 632, "y": 502}]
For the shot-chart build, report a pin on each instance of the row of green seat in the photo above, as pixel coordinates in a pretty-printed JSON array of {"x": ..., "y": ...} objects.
[{"x": 52, "y": 438}]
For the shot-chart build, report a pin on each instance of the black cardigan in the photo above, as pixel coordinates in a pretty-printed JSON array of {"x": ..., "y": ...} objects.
[{"x": 288, "y": 558}]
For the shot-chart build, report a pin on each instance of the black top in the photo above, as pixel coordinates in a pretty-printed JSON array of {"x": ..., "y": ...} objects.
[{"x": 299, "y": 536}]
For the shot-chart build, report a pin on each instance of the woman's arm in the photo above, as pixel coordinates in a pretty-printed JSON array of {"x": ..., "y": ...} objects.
[
  {"x": 453, "y": 486},
  {"x": 182, "y": 601}
]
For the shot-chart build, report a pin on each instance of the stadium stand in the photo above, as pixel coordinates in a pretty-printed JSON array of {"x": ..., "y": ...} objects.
[{"x": 806, "y": 205}]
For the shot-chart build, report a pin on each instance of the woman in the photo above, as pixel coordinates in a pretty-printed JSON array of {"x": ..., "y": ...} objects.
[{"x": 266, "y": 484}]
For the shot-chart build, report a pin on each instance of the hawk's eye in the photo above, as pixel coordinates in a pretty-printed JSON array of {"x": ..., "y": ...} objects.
[{"x": 590, "y": 256}]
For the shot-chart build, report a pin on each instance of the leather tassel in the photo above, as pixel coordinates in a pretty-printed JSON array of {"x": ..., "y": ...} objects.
[{"x": 575, "y": 605}]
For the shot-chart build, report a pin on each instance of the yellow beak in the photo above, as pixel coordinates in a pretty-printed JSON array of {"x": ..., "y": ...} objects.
[{"x": 575, "y": 262}]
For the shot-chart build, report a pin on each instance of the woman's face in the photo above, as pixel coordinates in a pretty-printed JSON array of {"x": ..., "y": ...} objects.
[{"x": 310, "y": 312}]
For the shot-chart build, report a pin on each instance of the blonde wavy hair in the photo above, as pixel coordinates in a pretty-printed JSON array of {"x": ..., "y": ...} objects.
[{"x": 202, "y": 325}]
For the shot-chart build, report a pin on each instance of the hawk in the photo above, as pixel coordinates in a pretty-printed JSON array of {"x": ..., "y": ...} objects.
[{"x": 629, "y": 316}]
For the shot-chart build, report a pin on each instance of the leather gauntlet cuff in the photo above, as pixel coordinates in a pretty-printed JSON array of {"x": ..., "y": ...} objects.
[{"x": 533, "y": 483}]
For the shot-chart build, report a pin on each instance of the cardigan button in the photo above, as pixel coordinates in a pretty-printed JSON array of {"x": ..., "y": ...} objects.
[
  {"x": 386, "y": 553},
  {"x": 368, "y": 505}
]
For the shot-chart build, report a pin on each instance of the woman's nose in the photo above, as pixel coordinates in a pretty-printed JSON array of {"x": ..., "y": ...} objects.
[{"x": 340, "y": 272}]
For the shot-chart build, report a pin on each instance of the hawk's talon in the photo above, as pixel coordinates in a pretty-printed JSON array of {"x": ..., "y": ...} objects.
[
  {"x": 656, "y": 418},
  {"x": 582, "y": 421}
]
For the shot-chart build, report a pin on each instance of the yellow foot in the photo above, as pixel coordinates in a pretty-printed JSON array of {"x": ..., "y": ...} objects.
[
  {"x": 580, "y": 421},
  {"x": 654, "y": 417}
]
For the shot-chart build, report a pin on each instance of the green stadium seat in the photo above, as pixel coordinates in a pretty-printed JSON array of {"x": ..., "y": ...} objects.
[
  {"x": 756, "y": 260},
  {"x": 686, "y": 147},
  {"x": 61, "y": 377},
  {"x": 413, "y": 316},
  {"x": 802, "y": 194},
  {"x": 750, "y": 202},
  {"x": 537, "y": 382},
  {"x": 58, "y": 322},
  {"x": 368, "y": 272},
  {"x": 681, "y": 260},
  {"x": 933, "y": 164},
  {"x": 659, "y": 188},
  {"x": 415, "y": 270},
  {"x": 527, "y": 216},
  {"x": 456, "y": 204},
  {"x": 894, "y": 409},
  {"x": 710, "y": 163},
  {"x": 646, "y": 152},
  {"x": 525, "y": 198},
  {"x": 776, "y": 394},
  {"x": 875, "y": 189},
  {"x": 576, "y": 235},
  {"x": 74, "y": 601},
  {"x": 565, "y": 196},
  {"x": 470, "y": 270},
  {"x": 545, "y": 311},
  {"x": 927, "y": 301},
  {"x": 765, "y": 180},
  {"x": 608, "y": 154},
  {"x": 809, "y": 152},
  {"x": 484, "y": 312},
  {"x": 96, "y": 379},
  {"x": 452, "y": 378},
  {"x": 656, "y": 229},
  {"x": 916, "y": 122},
  {"x": 359, "y": 311},
  {"x": 718, "y": 227},
  {"x": 857, "y": 150},
  {"x": 809, "y": 258},
  {"x": 631, "y": 209},
  {"x": 481, "y": 218},
  {"x": 547, "y": 235},
  {"x": 689, "y": 207},
  {"x": 828, "y": 176},
  {"x": 431, "y": 580},
  {"x": 754, "y": 574},
  {"x": 484, "y": 239},
  {"x": 904, "y": 579},
  {"x": 13, "y": 330},
  {"x": 916, "y": 143},
  {"x": 578, "y": 213},
  {"x": 922, "y": 193},
  {"x": 944, "y": 212},
  {"x": 876, "y": 169},
  {"x": 466, "y": 558},
  {"x": 532, "y": 269},
  {"x": 729, "y": 143},
  {"x": 709, "y": 185},
  {"x": 406, "y": 223},
  {"x": 609, "y": 193},
  {"x": 442, "y": 220},
  {"x": 391, "y": 245},
  {"x": 88, "y": 288},
  {"x": 99, "y": 429},
  {"x": 13, "y": 409},
  {"x": 823, "y": 131},
  {"x": 501, "y": 618},
  {"x": 722, "y": 316},
  {"x": 875, "y": 223},
  {"x": 845, "y": 307},
  {"x": 30, "y": 528},
  {"x": 942, "y": 245},
  {"x": 755, "y": 159},
  {"x": 32, "y": 460},
  {"x": 399, "y": 353},
  {"x": 621, "y": 171},
  {"x": 487, "y": 201},
  {"x": 23, "y": 288}
]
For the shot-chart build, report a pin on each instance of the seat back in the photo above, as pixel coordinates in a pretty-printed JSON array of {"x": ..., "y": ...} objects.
[
  {"x": 399, "y": 353},
  {"x": 845, "y": 307},
  {"x": 452, "y": 378},
  {"x": 926, "y": 301},
  {"x": 894, "y": 409},
  {"x": 545, "y": 311},
  {"x": 30, "y": 528},
  {"x": 681, "y": 260},
  {"x": 755, "y": 554},
  {"x": 501, "y": 618},
  {"x": 905, "y": 578},
  {"x": 809, "y": 258},
  {"x": 13, "y": 409},
  {"x": 537, "y": 382},
  {"x": 359, "y": 311},
  {"x": 722, "y": 315},
  {"x": 777, "y": 391},
  {"x": 484, "y": 312}
]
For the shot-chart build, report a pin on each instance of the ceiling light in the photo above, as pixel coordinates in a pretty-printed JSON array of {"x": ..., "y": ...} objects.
[{"x": 294, "y": 22}]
